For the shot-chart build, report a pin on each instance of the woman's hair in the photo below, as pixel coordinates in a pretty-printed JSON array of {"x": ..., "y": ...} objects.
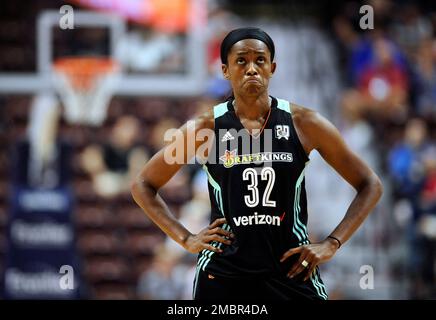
[{"x": 245, "y": 33}]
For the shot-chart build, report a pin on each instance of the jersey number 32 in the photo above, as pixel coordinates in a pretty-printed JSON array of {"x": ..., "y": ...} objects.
[{"x": 267, "y": 174}]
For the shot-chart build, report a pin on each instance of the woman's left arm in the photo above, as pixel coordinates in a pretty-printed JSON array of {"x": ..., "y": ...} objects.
[{"x": 323, "y": 136}]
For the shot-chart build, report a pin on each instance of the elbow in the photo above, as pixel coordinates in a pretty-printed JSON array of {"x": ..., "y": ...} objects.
[
  {"x": 372, "y": 186},
  {"x": 140, "y": 189},
  {"x": 135, "y": 188},
  {"x": 377, "y": 186}
]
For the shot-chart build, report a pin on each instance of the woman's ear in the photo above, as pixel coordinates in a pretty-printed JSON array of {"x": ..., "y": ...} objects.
[
  {"x": 225, "y": 70},
  {"x": 273, "y": 68}
]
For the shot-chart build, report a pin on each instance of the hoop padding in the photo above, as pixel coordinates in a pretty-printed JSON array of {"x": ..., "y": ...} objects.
[{"x": 85, "y": 85}]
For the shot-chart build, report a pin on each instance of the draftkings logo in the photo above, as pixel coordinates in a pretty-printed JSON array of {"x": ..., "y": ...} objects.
[{"x": 231, "y": 158}]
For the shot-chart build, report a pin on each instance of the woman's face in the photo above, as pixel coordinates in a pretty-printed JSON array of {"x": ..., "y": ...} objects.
[{"x": 249, "y": 67}]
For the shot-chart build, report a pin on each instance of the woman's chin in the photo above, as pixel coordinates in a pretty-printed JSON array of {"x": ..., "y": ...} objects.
[{"x": 253, "y": 88}]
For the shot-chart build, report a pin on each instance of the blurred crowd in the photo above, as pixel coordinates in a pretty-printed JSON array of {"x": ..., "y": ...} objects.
[
  {"x": 386, "y": 109},
  {"x": 390, "y": 79}
]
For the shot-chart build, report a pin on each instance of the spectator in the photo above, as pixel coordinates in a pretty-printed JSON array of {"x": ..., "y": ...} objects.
[
  {"x": 412, "y": 167},
  {"x": 382, "y": 87},
  {"x": 427, "y": 225},
  {"x": 425, "y": 74},
  {"x": 405, "y": 162},
  {"x": 112, "y": 165},
  {"x": 411, "y": 28},
  {"x": 165, "y": 280}
]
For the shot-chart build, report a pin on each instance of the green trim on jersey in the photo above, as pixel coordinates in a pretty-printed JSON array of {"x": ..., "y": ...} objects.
[
  {"x": 283, "y": 105},
  {"x": 314, "y": 277},
  {"x": 219, "y": 110},
  {"x": 207, "y": 254},
  {"x": 299, "y": 229},
  {"x": 217, "y": 190}
]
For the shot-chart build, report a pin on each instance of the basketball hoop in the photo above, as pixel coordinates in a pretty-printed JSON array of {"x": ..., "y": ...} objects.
[{"x": 85, "y": 85}]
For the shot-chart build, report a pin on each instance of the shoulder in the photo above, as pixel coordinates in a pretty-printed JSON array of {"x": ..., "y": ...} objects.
[
  {"x": 205, "y": 120},
  {"x": 307, "y": 118},
  {"x": 303, "y": 116},
  {"x": 311, "y": 126}
]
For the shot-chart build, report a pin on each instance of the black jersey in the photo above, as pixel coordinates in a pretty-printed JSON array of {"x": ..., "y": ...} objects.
[{"x": 257, "y": 183}]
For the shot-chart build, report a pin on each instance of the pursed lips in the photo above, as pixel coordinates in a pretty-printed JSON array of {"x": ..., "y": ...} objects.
[{"x": 252, "y": 80}]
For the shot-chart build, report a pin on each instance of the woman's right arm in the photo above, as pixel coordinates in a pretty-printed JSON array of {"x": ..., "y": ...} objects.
[{"x": 159, "y": 170}]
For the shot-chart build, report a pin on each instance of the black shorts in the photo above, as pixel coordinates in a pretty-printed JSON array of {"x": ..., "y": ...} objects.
[{"x": 212, "y": 287}]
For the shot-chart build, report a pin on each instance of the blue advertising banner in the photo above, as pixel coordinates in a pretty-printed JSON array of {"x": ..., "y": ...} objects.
[{"x": 41, "y": 260}]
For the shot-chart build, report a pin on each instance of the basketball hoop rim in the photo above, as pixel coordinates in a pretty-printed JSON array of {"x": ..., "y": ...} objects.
[
  {"x": 85, "y": 65},
  {"x": 81, "y": 71}
]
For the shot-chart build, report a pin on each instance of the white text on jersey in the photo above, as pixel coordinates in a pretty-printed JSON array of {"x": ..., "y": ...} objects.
[{"x": 257, "y": 219}]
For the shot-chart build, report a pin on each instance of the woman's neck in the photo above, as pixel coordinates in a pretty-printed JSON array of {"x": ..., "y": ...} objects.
[{"x": 251, "y": 107}]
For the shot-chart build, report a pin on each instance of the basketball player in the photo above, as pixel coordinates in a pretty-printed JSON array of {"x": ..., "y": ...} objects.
[{"x": 257, "y": 245}]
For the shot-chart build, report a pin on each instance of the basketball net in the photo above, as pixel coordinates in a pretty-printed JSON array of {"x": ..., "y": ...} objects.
[{"x": 85, "y": 85}]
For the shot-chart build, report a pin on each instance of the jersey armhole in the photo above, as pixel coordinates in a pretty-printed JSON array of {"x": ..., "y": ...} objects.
[{"x": 287, "y": 106}]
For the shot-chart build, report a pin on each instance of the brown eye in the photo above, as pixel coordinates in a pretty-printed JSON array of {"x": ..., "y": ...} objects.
[
  {"x": 240, "y": 60},
  {"x": 261, "y": 59}
]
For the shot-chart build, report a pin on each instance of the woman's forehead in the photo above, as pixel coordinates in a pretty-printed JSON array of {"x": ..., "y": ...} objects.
[{"x": 249, "y": 45}]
